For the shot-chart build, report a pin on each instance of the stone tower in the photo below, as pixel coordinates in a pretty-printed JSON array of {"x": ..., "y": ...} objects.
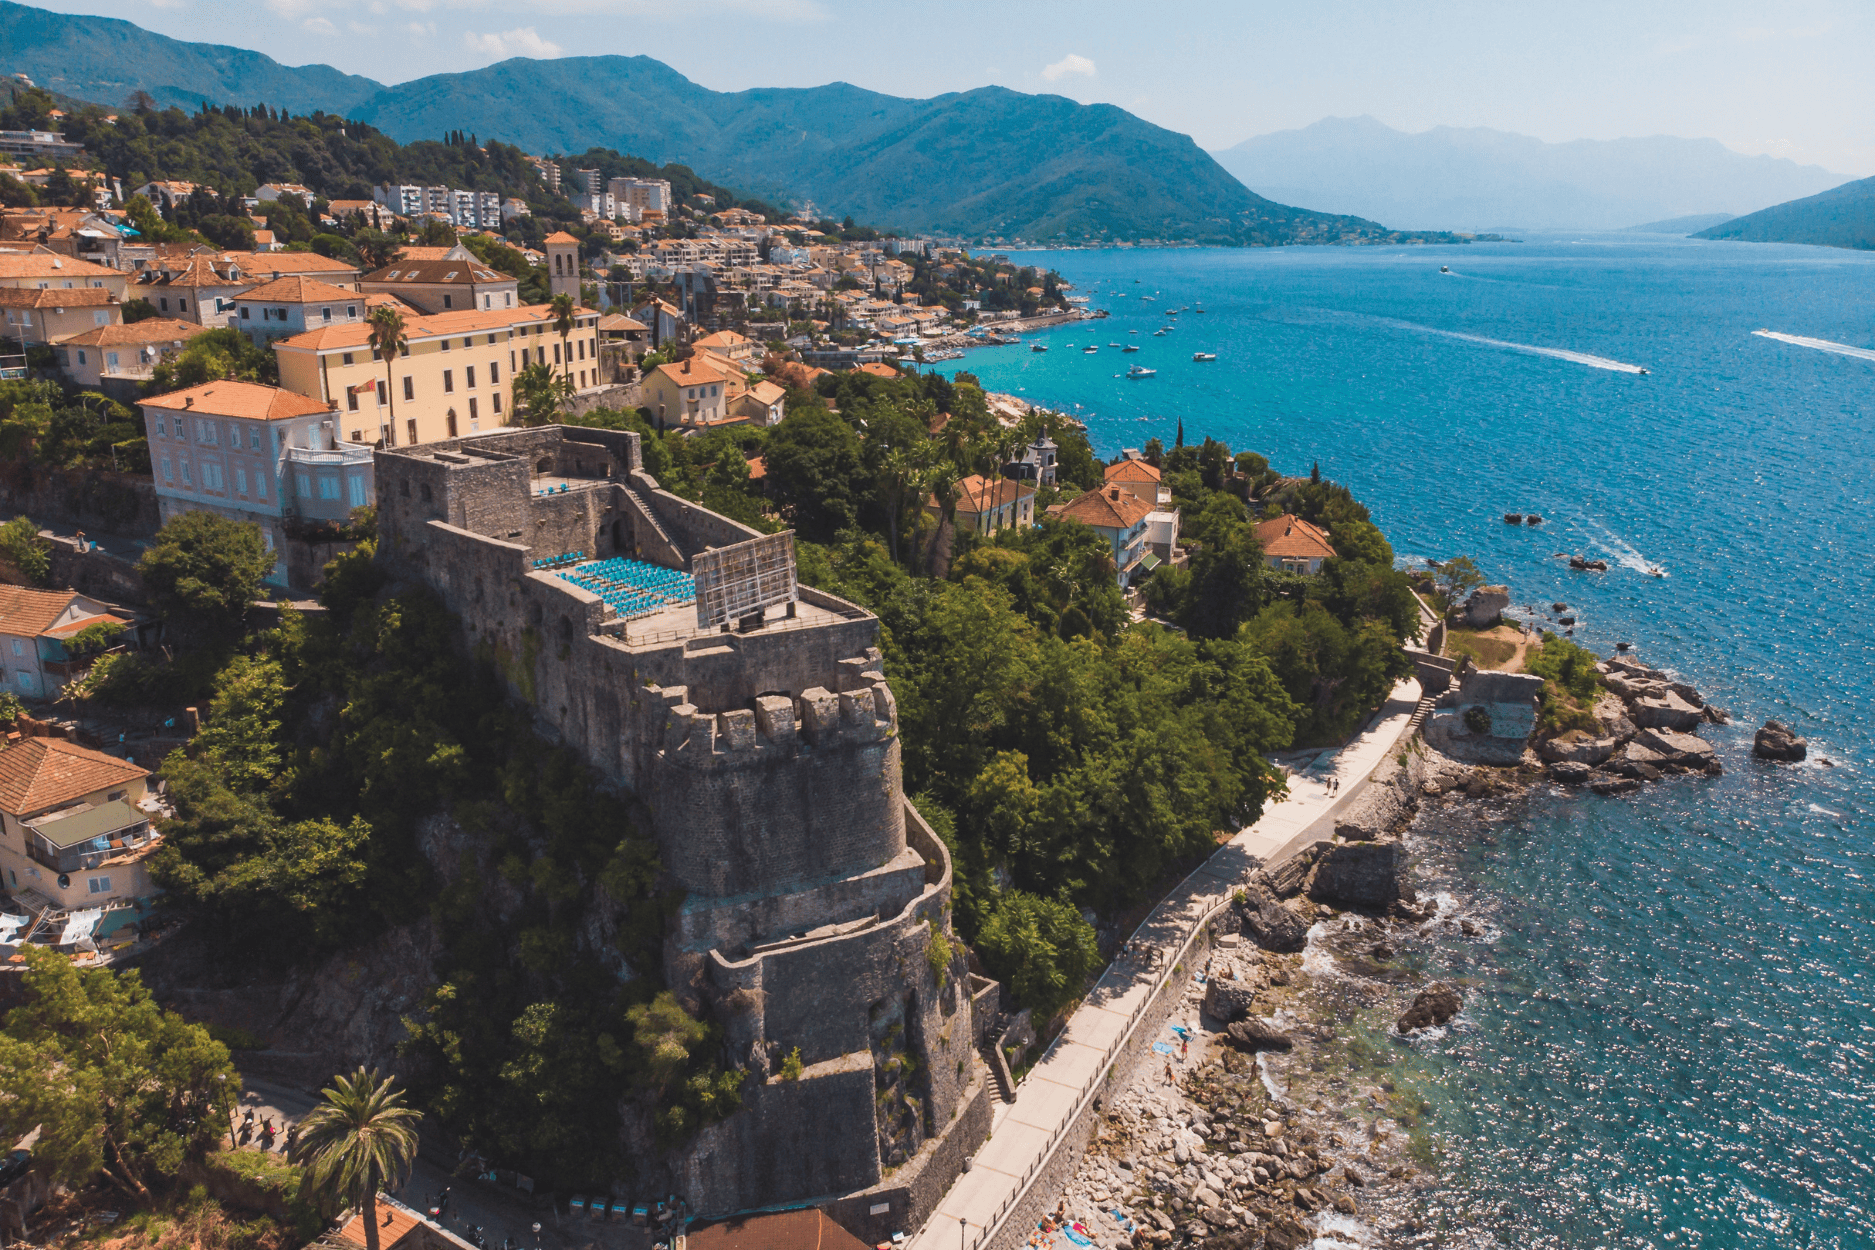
[
  {"x": 563, "y": 263},
  {"x": 765, "y": 756}
]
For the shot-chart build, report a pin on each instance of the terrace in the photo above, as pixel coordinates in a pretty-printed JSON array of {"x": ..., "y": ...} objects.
[{"x": 86, "y": 837}]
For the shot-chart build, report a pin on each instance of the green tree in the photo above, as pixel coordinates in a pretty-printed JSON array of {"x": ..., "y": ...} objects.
[
  {"x": 564, "y": 308},
  {"x": 539, "y": 393},
  {"x": 387, "y": 338},
  {"x": 123, "y": 1087},
  {"x": 1042, "y": 948},
  {"x": 359, "y": 1139},
  {"x": 816, "y": 472},
  {"x": 21, "y": 546},
  {"x": 210, "y": 356},
  {"x": 202, "y": 572}
]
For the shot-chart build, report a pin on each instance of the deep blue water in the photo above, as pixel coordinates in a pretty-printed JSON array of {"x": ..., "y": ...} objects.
[{"x": 1668, "y": 1040}]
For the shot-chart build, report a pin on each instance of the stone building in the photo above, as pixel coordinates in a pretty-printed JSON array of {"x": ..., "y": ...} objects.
[{"x": 765, "y": 756}]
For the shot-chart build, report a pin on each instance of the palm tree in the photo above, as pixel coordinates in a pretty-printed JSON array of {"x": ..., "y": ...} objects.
[
  {"x": 360, "y": 1140},
  {"x": 563, "y": 310},
  {"x": 387, "y": 339}
]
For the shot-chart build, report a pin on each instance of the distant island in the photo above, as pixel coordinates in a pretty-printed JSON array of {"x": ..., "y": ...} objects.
[
  {"x": 1842, "y": 217},
  {"x": 1691, "y": 224}
]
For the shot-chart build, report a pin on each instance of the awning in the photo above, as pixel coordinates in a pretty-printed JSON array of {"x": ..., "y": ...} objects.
[
  {"x": 1149, "y": 562},
  {"x": 79, "y": 924}
]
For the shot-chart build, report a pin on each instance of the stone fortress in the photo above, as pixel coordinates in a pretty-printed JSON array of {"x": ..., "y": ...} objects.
[{"x": 766, "y": 754}]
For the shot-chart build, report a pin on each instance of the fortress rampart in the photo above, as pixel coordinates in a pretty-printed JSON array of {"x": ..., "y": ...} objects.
[{"x": 767, "y": 756}]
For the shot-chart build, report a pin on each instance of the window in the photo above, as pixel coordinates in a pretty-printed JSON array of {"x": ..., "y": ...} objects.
[
  {"x": 497, "y": 401},
  {"x": 472, "y": 412},
  {"x": 186, "y": 479},
  {"x": 358, "y": 436},
  {"x": 110, "y": 360},
  {"x": 81, "y": 355},
  {"x": 325, "y": 314},
  {"x": 279, "y": 314},
  {"x": 305, "y": 485},
  {"x": 351, "y": 400},
  {"x": 494, "y": 373},
  {"x": 98, "y": 885},
  {"x": 211, "y": 477},
  {"x": 491, "y": 340},
  {"x": 556, "y": 353},
  {"x": 468, "y": 377},
  {"x": 403, "y": 349},
  {"x": 240, "y": 481},
  {"x": 582, "y": 349},
  {"x": 443, "y": 344},
  {"x": 260, "y": 486},
  {"x": 245, "y": 311},
  {"x": 356, "y": 484},
  {"x": 19, "y": 648},
  {"x": 410, "y": 388},
  {"x": 468, "y": 341},
  {"x": 412, "y": 424},
  {"x": 328, "y": 486},
  {"x": 165, "y": 303},
  {"x": 99, "y": 318},
  {"x": 382, "y": 394},
  {"x": 348, "y": 358},
  {"x": 253, "y": 438},
  {"x": 449, "y": 381},
  {"x": 182, "y": 305},
  {"x": 447, "y": 303},
  {"x": 508, "y": 300},
  {"x": 351, "y": 310},
  {"x": 168, "y": 476},
  {"x": 486, "y": 303},
  {"x": 511, "y": 357}
]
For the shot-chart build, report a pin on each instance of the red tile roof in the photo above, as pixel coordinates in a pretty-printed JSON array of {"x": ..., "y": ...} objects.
[
  {"x": 38, "y": 773},
  {"x": 1131, "y": 471},
  {"x": 977, "y": 494},
  {"x": 297, "y": 289},
  {"x": 1293, "y": 538},
  {"x": 394, "y": 1224},
  {"x": 1110, "y": 507},
  {"x": 808, "y": 1229},
  {"x": 137, "y": 333},
  {"x": 56, "y": 297},
  {"x": 691, "y": 372},
  {"x": 249, "y": 400},
  {"x": 436, "y": 271}
]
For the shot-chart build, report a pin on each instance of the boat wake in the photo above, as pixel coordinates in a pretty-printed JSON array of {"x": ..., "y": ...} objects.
[
  {"x": 1554, "y": 353},
  {"x": 1624, "y": 554},
  {"x": 1821, "y": 345}
]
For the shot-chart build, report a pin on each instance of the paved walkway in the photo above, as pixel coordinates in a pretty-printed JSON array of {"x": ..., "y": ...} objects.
[{"x": 1051, "y": 1095}]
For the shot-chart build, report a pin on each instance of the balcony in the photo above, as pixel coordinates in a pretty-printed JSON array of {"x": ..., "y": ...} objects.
[{"x": 82, "y": 838}]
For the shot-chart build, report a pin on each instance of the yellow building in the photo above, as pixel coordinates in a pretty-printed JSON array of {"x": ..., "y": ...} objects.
[
  {"x": 72, "y": 834},
  {"x": 127, "y": 354},
  {"x": 34, "y": 316},
  {"x": 454, "y": 377},
  {"x": 47, "y": 271},
  {"x": 694, "y": 391}
]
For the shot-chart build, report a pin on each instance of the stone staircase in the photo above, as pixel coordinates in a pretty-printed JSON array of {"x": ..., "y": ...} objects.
[
  {"x": 1001, "y": 1078},
  {"x": 645, "y": 524}
]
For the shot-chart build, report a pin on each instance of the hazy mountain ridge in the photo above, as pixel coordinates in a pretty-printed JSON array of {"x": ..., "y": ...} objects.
[
  {"x": 1840, "y": 217},
  {"x": 985, "y": 162},
  {"x": 1473, "y": 179}
]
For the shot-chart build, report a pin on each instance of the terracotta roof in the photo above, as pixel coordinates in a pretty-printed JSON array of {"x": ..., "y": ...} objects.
[
  {"x": 149, "y": 330},
  {"x": 1131, "y": 471},
  {"x": 201, "y": 273},
  {"x": 721, "y": 339},
  {"x": 51, "y": 265},
  {"x": 879, "y": 371},
  {"x": 1110, "y": 507},
  {"x": 31, "y": 612},
  {"x": 394, "y": 1224},
  {"x": 690, "y": 372},
  {"x": 419, "y": 252},
  {"x": 465, "y": 271},
  {"x": 618, "y": 321},
  {"x": 807, "y": 1229},
  {"x": 560, "y": 236},
  {"x": 758, "y": 468},
  {"x": 277, "y": 263},
  {"x": 297, "y": 289},
  {"x": 37, "y": 773},
  {"x": 249, "y": 400},
  {"x": 416, "y": 328},
  {"x": 767, "y": 391},
  {"x": 977, "y": 494},
  {"x": 1292, "y": 537},
  {"x": 56, "y": 297}
]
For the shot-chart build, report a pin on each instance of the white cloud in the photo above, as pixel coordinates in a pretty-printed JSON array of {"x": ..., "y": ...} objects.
[
  {"x": 319, "y": 26},
  {"x": 1069, "y": 64},
  {"x": 422, "y": 30},
  {"x": 521, "y": 41},
  {"x": 359, "y": 28}
]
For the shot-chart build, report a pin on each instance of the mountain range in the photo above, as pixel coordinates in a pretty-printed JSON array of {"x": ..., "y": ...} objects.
[
  {"x": 1841, "y": 217},
  {"x": 988, "y": 163},
  {"x": 1478, "y": 179}
]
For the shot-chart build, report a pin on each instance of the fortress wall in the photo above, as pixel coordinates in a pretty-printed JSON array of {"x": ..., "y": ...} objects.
[
  {"x": 791, "y": 1140},
  {"x": 692, "y": 526},
  {"x": 737, "y": 923}
]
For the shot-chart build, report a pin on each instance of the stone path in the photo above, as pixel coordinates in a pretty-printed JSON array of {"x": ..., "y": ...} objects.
[{"x": 1049, "y": 1098}]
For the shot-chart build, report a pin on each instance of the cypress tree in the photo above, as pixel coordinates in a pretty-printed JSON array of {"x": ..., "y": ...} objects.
[
  {"x": 1179, "y": 441},
  {"x": 1315, "y": 472}
]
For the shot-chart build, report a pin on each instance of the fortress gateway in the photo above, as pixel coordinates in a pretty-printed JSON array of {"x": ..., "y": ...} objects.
[{"x": 765, "y": 751}]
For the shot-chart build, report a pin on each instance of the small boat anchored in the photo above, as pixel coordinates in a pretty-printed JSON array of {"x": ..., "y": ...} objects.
[
  {"x": 1445, "y": 269},
  {"x": 1130, "y": 347},
  {"x": 1140, "y": 371},
  {"x": 1204, "y": 355},
  {"x": 1038, "y": 347},
  {"x": 1089, "y": 350}
]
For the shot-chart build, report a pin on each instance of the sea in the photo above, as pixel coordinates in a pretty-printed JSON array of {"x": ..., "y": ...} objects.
[{"x": 1668, "y": 1037}]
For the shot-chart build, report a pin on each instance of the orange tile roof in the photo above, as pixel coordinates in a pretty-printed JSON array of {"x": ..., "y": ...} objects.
[
  {"x": 978, "y": 494},
  {"x": 249, "y": 400},
  {"x": 1110, "y": 507},
  {"x": 465, "y": 271},
  {"x": 1131, "y": 471},
  {"x": 31, "y": 612},
  {"x": 38, "y": 773},
  {"x": 879, "y": 371},
  {"x": 767, "y": 391},
  {"x": 394, "y": 1224},
  {"x": 1292, "y": 537},
  {"x": 149, "y": 330},
  {"x": 416, "y": 328},
  {"x": 277, "y": 263},
  {"x": 55, "y": 297},
  {"x": 690, "y": 372},
  {"x": 560, "y": 236},
  {"x": 51, "y": 265},
  {"x": 758, "y": 468},
  {"x": 720, "y": 339},
  {"x": 806, "y": 1229},
  {"x": 296, "y": 288},
  {"x": 199, "y": 273}
]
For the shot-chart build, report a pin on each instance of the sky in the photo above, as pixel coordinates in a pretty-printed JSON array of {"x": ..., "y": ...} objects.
[{"x": 1788, "y": 78}]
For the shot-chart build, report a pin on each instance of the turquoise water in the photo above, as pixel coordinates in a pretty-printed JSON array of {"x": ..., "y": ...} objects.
[{"x": 1668, "y": 1036}]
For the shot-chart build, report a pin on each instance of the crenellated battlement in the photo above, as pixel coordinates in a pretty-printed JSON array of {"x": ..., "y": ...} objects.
[{"x": 775, "y": 725}]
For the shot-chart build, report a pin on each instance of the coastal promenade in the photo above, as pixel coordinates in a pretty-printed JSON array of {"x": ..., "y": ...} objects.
[{"x": 1037, "y": 1138}]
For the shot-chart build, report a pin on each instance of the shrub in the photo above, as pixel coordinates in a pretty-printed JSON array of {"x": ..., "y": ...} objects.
[
  {"x": 791, "y": 1066},
  {"x": 1041, "y": 947},
  {"x": 1477, "y": 720},
  {"x": 939, "y": 954},
  {"x": 21, "y": 546}
]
